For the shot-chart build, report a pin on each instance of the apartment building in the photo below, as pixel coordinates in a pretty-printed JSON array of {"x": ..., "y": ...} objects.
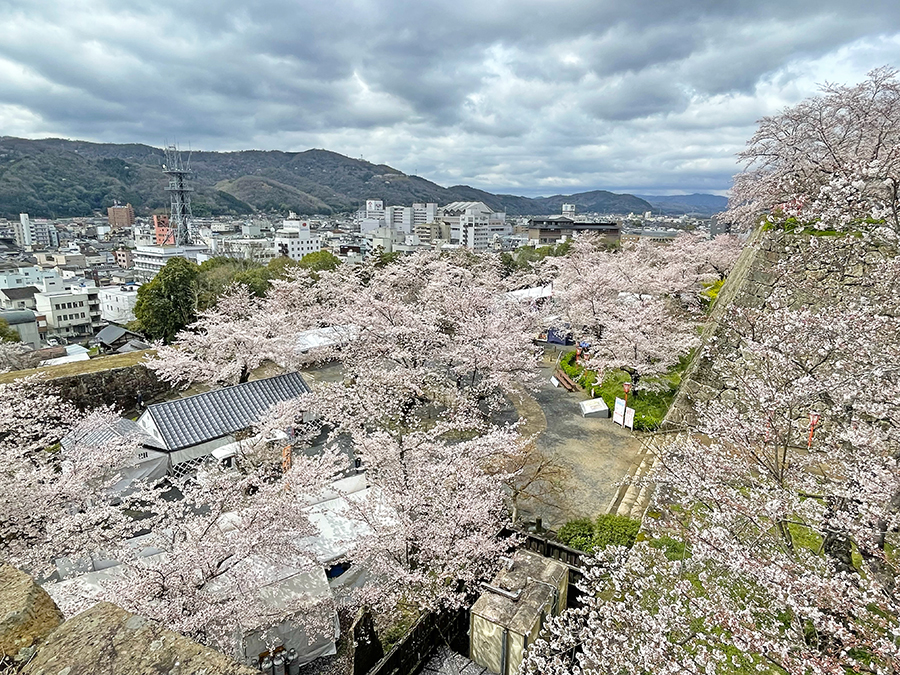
[
  {"x": 39, "y": 232},
  {"x": 120, "y": 216},
  {"x": 117, "y": 304}
]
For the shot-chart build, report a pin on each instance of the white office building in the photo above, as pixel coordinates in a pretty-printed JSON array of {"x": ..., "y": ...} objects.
[
  {"x": 475, "y": 225},
  {"x": 424, "y": 213},
  {"x": 295, "y": 239},
  {"x": 149, "y": 260}
]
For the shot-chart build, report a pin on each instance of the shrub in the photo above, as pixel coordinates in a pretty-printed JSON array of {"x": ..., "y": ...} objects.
[
  {"x": 610, "y": 530},
  {"x": 587, "y": 535},
  {"x": 578, "y": 533}
]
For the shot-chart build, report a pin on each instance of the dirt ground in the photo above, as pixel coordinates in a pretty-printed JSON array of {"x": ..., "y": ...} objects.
[{"x": 597, "y": 453}]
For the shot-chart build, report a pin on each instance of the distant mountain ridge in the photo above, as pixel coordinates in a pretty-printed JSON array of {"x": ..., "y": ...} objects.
[
  {"x": 695, "y": 204},
  {"x": 61, "y": 178}
]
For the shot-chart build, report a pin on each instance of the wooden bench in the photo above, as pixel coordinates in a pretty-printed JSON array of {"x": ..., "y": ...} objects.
[{"x": 565, "y": 380}]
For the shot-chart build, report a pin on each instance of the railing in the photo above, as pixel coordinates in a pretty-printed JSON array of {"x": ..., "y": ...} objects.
[
  {"x": 570, "y": 557},
  {"x": 408, "y": 655}
]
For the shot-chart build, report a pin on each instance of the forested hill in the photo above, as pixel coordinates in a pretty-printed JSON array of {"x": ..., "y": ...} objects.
[{"x": 61, "y": 178}]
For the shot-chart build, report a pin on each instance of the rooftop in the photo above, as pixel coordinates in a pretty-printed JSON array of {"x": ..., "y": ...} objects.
[
  {"x": 533, "y": 577},
  {"x": 19, "y": 293},
  {"x": 214, "y": 414},
  {"x": 17, "y": 316}
]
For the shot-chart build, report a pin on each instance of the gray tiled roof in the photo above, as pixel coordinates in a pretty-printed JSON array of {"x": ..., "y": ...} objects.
[{"x": 204, "y": 417}]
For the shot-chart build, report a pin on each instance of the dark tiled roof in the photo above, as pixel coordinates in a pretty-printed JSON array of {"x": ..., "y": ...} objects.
[
  {"x": 204, "y": 417},
  {"x": 19, "y": 293},
  {"x": 112, "y": 333}
]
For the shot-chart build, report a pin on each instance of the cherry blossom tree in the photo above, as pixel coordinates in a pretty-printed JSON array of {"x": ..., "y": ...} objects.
[
  {"x": 832, "y": 161},
  {"x": 215, "y": 548},
  {"x": 787, "y": 519},
  {"x": 223, "y": 346},
  {"x": 11, "y": 355},
  {"x": 55, "y": 501},
  {"x": 434, "y": 349},
  {"x": 433, "y": 516},
  {"x": 638, "y": 307}
]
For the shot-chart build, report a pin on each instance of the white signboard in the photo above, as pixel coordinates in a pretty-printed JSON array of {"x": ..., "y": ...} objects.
[
  {"x": 554, "y": 381},
  {"x": 629, "y": 418},
  {"x": 619, "y": 411}
]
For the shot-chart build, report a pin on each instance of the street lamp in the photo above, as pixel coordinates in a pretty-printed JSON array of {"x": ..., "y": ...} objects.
[
  {"x": 814, "y": 418},
  {"x": 627, "y": 387}
]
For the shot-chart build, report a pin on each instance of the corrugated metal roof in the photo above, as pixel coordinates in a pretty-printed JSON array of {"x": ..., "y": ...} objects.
[{"x": 204, "y": 417}]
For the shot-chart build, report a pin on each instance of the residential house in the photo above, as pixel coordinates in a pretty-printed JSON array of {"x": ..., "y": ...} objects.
[{"x": 18, "y": 298}]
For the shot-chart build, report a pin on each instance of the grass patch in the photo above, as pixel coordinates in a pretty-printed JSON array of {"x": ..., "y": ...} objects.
[
  {"x": 79, "y": 367},
  {"x": 650, "y": 407},
  {"x": 589, "y": 535}
]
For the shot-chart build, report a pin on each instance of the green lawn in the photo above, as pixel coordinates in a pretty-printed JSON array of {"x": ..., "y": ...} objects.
[{"x": 650, "y": 407}]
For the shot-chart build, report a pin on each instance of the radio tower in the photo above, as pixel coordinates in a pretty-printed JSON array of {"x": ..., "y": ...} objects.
[{"x": 180, "y": 214}]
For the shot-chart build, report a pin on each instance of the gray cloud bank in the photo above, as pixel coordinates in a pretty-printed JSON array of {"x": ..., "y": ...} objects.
[{"x": 531, "y": 96}]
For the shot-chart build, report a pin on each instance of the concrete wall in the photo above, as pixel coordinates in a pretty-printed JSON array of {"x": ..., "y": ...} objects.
[{"x": 485, "y": 643}]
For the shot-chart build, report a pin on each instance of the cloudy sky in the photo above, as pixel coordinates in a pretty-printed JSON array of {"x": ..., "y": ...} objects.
[{"x": 526, "y": 96}]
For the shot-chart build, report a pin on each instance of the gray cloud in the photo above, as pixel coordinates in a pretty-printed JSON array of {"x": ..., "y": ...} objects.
[{"x": 527, "y": 96}]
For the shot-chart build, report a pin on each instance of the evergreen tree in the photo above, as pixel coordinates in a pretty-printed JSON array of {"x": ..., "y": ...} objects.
[{"x": 168, "y": 303}]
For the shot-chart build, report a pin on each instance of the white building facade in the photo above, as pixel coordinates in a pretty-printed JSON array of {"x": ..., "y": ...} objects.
[
  {"x": 149, "y": 260},
  {"x": 39, "y": 232},
  {"x": 295, "y": 239},
  {"x": 117, "y": 304}
]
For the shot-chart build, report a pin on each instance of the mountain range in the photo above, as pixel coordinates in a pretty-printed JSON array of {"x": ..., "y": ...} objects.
[{"x": 59, "y": 178}]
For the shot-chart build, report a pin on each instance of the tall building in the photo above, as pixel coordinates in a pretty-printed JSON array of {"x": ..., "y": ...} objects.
[
  {"x": 399, "y": 218},
  {"x": 120, "y": 216},
  {"x": 164, "y": 234},
  {"x": 295, "y": 239},
  {"x": 424, "y": 213},
  {"x": 474, "y": 224}
]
